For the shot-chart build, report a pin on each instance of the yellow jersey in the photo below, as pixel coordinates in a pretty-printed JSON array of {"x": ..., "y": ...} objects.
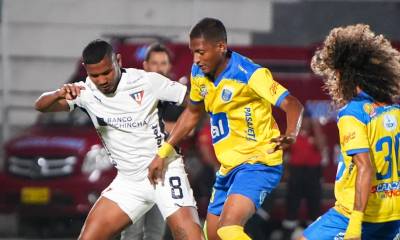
[
  {"x": 365, "y": 126},
  {"x": 239, "y": 104}
]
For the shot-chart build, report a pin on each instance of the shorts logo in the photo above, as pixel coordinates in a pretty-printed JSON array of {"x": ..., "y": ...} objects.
[
  {"x": 389, "y": 122},
  {"x": 137, "y": 96},
  {"x": 339, "y": 236},
  {"x": 226, "y": 95},
  {"x": 263, "y": 194}
]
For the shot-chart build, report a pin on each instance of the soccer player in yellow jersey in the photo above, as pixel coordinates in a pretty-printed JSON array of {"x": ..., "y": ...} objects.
[
  {"x": 238, "y": 95},
  {"x": 362, "y": 73}
]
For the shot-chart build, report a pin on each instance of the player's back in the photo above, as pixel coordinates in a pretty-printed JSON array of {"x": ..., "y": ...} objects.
[{"x": 367, "y": 126}]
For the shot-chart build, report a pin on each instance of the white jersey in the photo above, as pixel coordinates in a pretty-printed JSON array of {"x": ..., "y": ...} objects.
[{"x": 127, "y": 120}]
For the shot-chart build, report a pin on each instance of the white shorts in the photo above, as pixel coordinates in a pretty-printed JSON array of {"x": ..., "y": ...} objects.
[{"x": 135, "y": 197}]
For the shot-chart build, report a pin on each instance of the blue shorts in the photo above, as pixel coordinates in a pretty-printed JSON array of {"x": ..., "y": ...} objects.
[
  {"x": 332, "y": 225},
  {"x": 254, "y": 181}
]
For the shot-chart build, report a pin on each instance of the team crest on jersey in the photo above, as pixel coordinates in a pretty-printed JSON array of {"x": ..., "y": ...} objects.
[
  {"x": 203, "y": 90},
  {"x": 137, "y": 96},
  {"x": 389, "y": 122},
  {"x": 226, "y": 94}
]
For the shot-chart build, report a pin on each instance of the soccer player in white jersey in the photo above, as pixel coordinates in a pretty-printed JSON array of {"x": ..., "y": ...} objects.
[
  {"x": 122, "y": 104},
  {"x": 151, "y": 226}
]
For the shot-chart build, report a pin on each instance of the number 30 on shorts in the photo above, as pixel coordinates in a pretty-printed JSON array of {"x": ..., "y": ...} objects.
[{"x": 176, "y": 189}]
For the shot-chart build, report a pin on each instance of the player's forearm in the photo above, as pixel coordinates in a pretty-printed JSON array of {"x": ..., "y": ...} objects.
[
  {"x": 362, "y": 189},
  {"x": 294, "y": 115},
  {"x": 363, "y": 183},
  {"x": 46, "y": 102},
  {"x": 186, "y": 122}
]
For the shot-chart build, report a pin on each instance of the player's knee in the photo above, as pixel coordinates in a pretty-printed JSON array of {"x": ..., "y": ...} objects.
[
  {"x": 85, "y": 235},
  {"x": 90, "y": 235},
  {"x": 233, "y": 232},
  {"x": 180, "y": 233}
]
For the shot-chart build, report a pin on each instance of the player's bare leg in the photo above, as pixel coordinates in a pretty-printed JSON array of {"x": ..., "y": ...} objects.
[
  {"x": 105, "y": 220},
  {"x": 236, "y": 212},
  {"x": 184, "y": 224},
  {"x": 212, "y": 226}
]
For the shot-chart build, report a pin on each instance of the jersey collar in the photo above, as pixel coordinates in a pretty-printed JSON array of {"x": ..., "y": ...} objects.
[
  {"x": 231, "y": 55},
  {"x": 365, "y": 95}
]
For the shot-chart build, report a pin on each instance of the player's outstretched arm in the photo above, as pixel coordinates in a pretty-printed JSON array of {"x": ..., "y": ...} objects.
[
  {"x": 363, "y": 186},
  {"x": 55, "y": 101},
  {"x": 294, "y": 115},
  {"x": 186, "y": 122}
]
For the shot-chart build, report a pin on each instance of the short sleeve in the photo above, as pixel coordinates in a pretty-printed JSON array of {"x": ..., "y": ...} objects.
[
  {"x": 196, "y": 95},
  {"x": 266, "y": 87},
  {"x": 167, "y": 90},
  {"x": 353, "y": 135}
]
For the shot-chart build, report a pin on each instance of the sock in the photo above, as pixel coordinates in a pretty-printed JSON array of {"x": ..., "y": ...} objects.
[{"x": 233, "y": 232}]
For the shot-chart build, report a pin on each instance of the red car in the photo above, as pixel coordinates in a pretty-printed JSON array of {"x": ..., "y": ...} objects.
[{"x": 56, "y": 169}]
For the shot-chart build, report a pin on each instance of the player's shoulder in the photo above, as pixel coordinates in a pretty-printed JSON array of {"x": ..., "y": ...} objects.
[
  {"x": 242, "y": 68},
  {"x": 140, "y": 74},
  {"x": 133, "y": 77},
  {"x": 133, "y": 74},
  {"x": 196, "y": 71},
  {"x": 360, "y": 107},
  {"x": 88, "y": 86}
]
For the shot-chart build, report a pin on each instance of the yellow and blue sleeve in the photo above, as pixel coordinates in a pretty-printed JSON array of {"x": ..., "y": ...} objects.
[
  {"x": 353, "y": 135},
  {"x": 265, "y": 86},
  {"x": 195, "y": 91},
  {"x": 196, "y": 95}
]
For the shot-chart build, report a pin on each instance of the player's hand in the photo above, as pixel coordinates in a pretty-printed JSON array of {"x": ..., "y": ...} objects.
[
  {"x": 70, "y": 91},
  {"x": 282, "y": 142},
  {"x": 156, "y": 170}
]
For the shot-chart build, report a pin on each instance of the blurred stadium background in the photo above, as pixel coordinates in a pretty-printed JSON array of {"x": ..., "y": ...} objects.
[{"x": 40, "y": 45}]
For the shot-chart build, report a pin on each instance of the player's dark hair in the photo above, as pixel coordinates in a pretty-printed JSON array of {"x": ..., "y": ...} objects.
[
  {"x": 210, "y": 29},
  {"x": 157, "y": 47},
  {"x": 95, "y": 51},
  {"x": 354, "y": 56}
]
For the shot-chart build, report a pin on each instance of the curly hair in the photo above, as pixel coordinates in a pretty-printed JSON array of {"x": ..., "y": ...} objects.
[{"x": 353, "y": 56}]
